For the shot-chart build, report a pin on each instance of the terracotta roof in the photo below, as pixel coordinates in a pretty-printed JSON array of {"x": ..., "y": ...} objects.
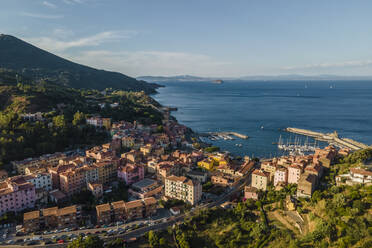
[
  {"x": 149, "y": 201},
  {"x": 361, "y": 171},
  {"x": 133, "y": 204},
  {"x": 31, "y": 215},
  {"x": 176, "y": 178},
  {"x": 250, "y": 189},
  {"x": 259, "y": 173},
  {"x": 67, "y": 210},
  {"x": 50, "y": 211},
  {"x": 118, "y": 204},
  {"x": 103, "y": 207}
]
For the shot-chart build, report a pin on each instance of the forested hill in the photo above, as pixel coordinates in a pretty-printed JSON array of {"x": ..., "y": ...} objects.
[
  {"x": 64, "y": 112},
  {"x": 36, "y": 63}
]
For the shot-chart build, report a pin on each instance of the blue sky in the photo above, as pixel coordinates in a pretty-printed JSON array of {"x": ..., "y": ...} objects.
[{"x": 200, "y": 37}]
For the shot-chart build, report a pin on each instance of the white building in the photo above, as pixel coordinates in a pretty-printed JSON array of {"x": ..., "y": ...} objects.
[
  {"x": 355, "y": 176},
  {"x": 183, "y": 189},
  {"x": 40, "y": 180},
  {"x": 280, "y": 176}
]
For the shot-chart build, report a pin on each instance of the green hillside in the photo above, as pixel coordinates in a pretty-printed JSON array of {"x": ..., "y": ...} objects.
[
  {"x": 36, "y": 63},
  {"x": 64, "y": 110}
]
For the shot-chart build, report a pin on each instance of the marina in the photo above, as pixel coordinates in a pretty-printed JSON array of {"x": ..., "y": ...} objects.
[
  {"x": 297, "y": 146},
  {"x": 331, "y": 138}
]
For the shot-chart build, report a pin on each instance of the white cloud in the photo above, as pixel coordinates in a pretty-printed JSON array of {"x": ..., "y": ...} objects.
[
  {"x": 139, "y": 63},
  {"x": 49, "y": 4},
  {"x": 59, "y": 42},
  {"x": 71, "y": 2},
  {"x": 353, "y": 63},
  {"x": 41, "y": 16}
]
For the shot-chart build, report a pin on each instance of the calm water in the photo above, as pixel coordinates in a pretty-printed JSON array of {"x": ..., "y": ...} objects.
[{"x": 245, "y": 107}]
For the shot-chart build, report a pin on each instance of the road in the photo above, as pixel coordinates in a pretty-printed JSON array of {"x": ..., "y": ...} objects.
[{"x": 238, "y": 186}]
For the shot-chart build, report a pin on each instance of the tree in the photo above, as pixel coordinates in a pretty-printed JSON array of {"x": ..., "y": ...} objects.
[
  {"x": 153, "y": 239},
  {"x": 89, "y": 242},
  {"x": 59, "y": 121},
  {"x": 79, "y": 118}
]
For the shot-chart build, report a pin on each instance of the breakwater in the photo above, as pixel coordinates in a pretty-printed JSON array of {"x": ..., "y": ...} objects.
[{"x": 331, "y": 138}]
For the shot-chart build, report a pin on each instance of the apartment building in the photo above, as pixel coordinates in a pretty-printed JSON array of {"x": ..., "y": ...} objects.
[
  {"x": 51, "y": 218},
  {"x": 107, "y": 171},
  {"x": 131, "y": 173},
  {"x": 280, "y": 176},
  {"x": 68, "y": 216},
  {"x": 183, "y": 188},
  {"x": 99, "y": 122},
  {"x": 260, "y": 179},
  {"x": 294, "y": 173},
  {"x": 103, "y": 213},
  {"x": 16, "y": 194},
  {"x": 31, "y": 221},
  {"x": 306, "y": 185},
  {"x": 40, "y": 180},
  {"x": 48, "y": 159},
  {"x": 122, "y": 211}
]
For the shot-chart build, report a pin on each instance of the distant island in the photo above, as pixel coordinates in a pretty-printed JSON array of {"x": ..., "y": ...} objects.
[{"x": 287, "y": 77}]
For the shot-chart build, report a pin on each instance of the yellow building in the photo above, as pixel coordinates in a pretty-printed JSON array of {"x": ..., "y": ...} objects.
[{"x": 208, "y": 164}]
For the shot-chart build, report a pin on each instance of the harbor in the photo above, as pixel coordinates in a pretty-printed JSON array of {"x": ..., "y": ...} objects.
[{"x": 330, "y": 138}]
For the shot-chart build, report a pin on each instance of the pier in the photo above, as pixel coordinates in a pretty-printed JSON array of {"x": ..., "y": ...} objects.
[
  {"x": 224, "y": 135},
  {"x": 331, "y": 138}
]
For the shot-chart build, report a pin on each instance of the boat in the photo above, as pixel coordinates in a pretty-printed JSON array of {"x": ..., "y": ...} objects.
[{"x": 218, "y": 81}]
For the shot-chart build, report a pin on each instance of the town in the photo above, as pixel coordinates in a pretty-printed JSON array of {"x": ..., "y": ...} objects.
[{"x": 155, "y": 165}]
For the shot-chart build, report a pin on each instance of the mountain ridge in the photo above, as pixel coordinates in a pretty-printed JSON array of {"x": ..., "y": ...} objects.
[{"x": 36, "y": 63}]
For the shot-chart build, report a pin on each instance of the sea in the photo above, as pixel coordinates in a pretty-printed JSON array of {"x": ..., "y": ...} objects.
[{"x": 262, "y": 109}]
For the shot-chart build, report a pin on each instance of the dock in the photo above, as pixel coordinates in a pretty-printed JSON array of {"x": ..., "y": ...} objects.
[
  {"x": 331, "y": 138},
  {"x": 224, "y": 135}
]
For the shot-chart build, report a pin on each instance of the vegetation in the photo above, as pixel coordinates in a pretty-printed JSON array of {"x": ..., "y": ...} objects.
[
  {"x": 64, "y": 111},
  {"x": 212, "y": 149},
  {"x": 89, "y": 242}
]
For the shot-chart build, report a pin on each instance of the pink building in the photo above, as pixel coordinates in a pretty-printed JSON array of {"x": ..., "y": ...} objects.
[
  {"x": 16, "y": 194},
  {"x": 131, "y": 173},
  {"x": 294, "y": 173},
  {"x": 280, "y": 176}
]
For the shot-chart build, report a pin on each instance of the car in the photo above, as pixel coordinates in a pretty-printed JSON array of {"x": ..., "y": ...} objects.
[
  {"x": 104, "y": 231},
  {"x": 9, "y": 242},
  {"x": 61, "y": 241},
  {"x": 98, "y": 226},
  {"x": 82, "y": 227},
  {"x": 33, "y": 242},
  {"x": 122, "y": 232},
  {"x": 19, "y": 240},
  {"x": 105, "y": 226},
  {"x": 48, "y": 242},
  {"x": 96, "y": 232},
  {"x": 54, "y": 237}
]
